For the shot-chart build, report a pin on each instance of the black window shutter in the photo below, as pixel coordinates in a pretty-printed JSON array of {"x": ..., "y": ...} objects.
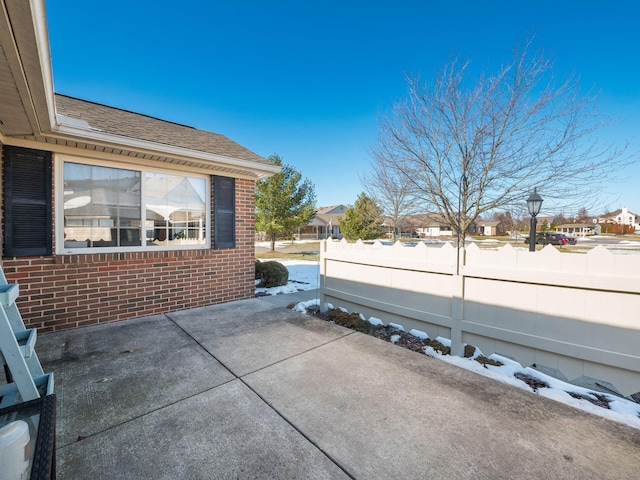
[
  {"x": 224, "y": 212},
  {"x": 27, "y": 202}
]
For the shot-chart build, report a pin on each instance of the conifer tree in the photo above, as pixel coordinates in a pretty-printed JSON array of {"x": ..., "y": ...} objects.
[
  {"x": 362, "y": 221},
  {"x": 284, "y": 202}
]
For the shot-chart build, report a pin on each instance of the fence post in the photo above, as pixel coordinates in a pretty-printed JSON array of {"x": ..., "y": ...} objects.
[
  {"x": 457, "y": 305},
  {"x": 323, "y": 258}
]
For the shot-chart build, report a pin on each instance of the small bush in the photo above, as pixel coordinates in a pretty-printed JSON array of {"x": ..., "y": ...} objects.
[
  {"x": 271, "y": 274},
  {"x": 349, "y": 320}
]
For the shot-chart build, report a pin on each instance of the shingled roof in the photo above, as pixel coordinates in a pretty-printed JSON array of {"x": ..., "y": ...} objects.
[{"x": 111, "y": 120}]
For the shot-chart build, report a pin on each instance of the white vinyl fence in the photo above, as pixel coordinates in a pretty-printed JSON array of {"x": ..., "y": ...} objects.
[{"x": 573, "y": 315}]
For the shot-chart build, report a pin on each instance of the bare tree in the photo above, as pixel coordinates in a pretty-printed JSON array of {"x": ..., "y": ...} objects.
[
  {"x": 508, "y": 223},
  {"x": 390, "y": 191},
  {"x": 469, "y": 149},
  {"x": 583, "y": 216}
]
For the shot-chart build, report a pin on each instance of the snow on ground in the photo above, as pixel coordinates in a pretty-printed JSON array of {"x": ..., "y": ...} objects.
[
  {"x": 620, "y": 409},
  {"x": 305, "y": 275}
]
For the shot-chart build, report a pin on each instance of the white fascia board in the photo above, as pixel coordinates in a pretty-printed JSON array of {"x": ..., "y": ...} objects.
[
  {"x": 39, "y": 16},
  {"x": 119, "y": 141}
]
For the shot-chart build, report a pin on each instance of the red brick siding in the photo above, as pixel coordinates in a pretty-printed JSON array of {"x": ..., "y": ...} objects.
[{"x": 69, "y": 291}]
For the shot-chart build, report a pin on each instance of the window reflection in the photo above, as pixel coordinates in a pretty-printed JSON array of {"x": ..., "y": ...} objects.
[
  {"x": 101, "y": 206},
  {"x": 175, "y": 209}
]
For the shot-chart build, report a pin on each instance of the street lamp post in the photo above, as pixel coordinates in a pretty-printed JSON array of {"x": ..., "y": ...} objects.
[{"x": 534, "y": 204}]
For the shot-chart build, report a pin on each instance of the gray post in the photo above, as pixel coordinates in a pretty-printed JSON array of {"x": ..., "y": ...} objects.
[{"x": 532, "y": 234}]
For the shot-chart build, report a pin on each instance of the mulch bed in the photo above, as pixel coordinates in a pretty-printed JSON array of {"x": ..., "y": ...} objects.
[
  {"x": 598, "y": 399},
  {"x": 391, "y": 334}
]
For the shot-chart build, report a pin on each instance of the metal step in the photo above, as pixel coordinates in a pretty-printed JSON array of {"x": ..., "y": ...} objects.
[
  {"x": 26, "y": 342},
  {"x": 25, "y": 379},
  {"x": 9, "y": 394},
  {"x": 8, "y": 294}
]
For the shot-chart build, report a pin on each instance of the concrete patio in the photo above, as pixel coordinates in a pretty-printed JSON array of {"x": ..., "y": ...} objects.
[{"x": 250, "y": 389}]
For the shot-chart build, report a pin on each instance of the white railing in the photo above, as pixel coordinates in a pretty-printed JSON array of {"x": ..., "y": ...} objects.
[{"x": 576, "y": 315}]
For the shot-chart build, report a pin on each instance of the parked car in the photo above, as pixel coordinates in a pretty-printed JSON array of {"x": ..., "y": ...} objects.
[
  {"x": 566, "y": 240},
  {"x": 548, "y": 238}
]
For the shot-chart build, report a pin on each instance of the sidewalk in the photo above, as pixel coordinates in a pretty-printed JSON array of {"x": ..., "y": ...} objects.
[{"x": 251, "y": 390}]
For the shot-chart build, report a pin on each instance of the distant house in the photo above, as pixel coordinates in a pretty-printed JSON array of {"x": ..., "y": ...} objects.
[
  {"x": 621, "y": 216},
  {"x": 541, "y": 221},
  {"x": 489, "y": 227},
  {"x": 578, "y": 229},
  {"x": 109, "y": 214},
  {"x": 404, "y": 227},
  {"x": 325, "y": 223},
  {"x": 431, "y": 225}
]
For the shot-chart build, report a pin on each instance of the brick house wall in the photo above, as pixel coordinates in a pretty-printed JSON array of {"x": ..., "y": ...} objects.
[{"x": 60, "y": 292}]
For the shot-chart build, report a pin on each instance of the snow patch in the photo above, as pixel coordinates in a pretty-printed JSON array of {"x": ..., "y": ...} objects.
[
  {"x": 419, "y": 334},
  {"x": 376, "y": 322},
  {"x": 303, "y": 307}
]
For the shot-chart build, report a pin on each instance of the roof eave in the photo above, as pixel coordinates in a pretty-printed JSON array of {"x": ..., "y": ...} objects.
[
  {"x": 25, "y": 42},
  {"x": 46, "y": 110},
  {"x": 66, "y": 132}
]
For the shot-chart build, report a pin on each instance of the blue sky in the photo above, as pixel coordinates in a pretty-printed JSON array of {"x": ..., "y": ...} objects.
[{"x": 307, "y": 80}]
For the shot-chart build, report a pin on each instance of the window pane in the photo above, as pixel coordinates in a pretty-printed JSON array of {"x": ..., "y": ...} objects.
[
  {"x": 102, "y": 206},
  {"x": 175, "y": 209}
]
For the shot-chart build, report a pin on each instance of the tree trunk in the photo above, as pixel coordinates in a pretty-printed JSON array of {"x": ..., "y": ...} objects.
[{"x": 273, "y": 242}]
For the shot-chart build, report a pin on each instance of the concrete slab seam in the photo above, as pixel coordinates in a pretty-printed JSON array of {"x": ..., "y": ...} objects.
[
  {"x": 133, "y": 419},
  {"x": 275, "y": 410},
  {"x": 292, "y": 356}
]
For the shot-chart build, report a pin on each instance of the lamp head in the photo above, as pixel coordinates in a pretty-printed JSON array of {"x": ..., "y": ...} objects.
[{"x": 534, "y": 203}]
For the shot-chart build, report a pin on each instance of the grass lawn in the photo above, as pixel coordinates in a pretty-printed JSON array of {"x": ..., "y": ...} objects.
[{"x": 304, "y": 251}]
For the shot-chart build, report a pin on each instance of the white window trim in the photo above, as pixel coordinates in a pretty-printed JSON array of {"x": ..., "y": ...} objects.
[{"x": 60, "y": 249}]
